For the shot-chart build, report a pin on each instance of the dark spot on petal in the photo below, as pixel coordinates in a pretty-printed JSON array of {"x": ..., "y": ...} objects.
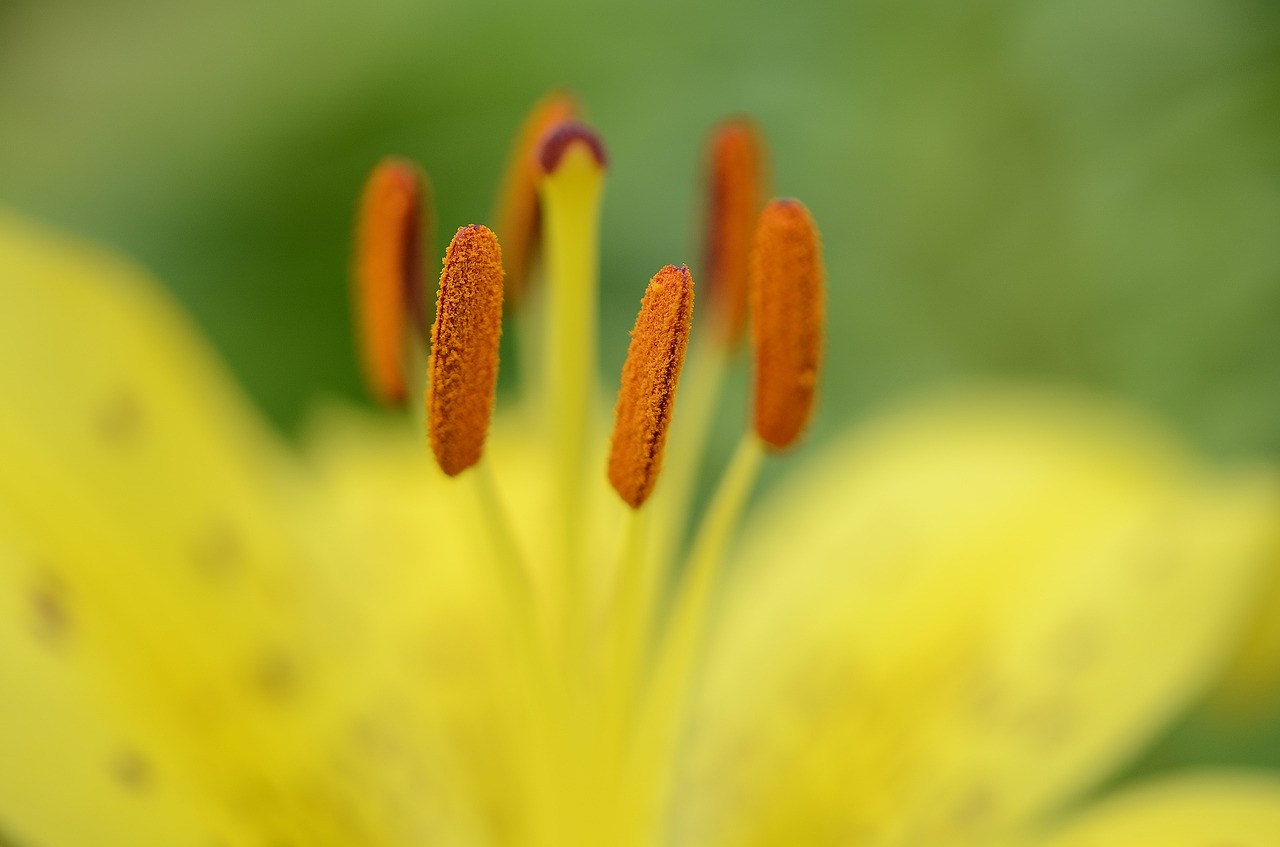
[
  {"x": 132, "y": 771},
  {"x": 974, "y": 809},
  {"x": 1049, "y": 723},
  {"x": 218, "y": 551},
  {"x": 276, "y": 677},
  {"x": 370, "y": 737},
  {"x": 984, "y": 696},
  {"x": 118, "y": 420},
  {"x": 50, "y": 616},
  {"x": 1075, "y": 644}
]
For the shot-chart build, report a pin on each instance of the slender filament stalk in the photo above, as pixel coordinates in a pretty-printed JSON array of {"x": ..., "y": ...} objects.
[{"x": 666, "y": 695}]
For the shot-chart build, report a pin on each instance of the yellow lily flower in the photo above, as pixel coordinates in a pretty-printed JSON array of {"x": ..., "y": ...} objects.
[{"x": 941, "y": 629}]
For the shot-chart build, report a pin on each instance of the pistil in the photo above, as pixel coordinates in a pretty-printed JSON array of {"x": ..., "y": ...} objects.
[
  {"x": 572, "y": 161},
  {"x": 518, "y": 218},
  {"x": 605, "y": 693}
]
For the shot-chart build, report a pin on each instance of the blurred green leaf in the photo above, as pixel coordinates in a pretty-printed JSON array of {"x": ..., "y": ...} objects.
[{"x": 1083, "y": 191}]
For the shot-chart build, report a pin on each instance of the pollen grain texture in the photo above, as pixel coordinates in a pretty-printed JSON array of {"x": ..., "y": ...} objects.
[
  {"x": 647, "y": 396},
  {"x": 464, "y": 349},
  {"x": 787, "y": 289}
]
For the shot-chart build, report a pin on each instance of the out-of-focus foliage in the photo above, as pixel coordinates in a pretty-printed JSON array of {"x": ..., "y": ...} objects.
[
  {"x": 1087, "y": 190},
  {"x": 1083, "y": 191}
]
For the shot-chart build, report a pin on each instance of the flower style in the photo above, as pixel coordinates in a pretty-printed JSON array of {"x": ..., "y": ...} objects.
[{"x": 941, "y": 629}]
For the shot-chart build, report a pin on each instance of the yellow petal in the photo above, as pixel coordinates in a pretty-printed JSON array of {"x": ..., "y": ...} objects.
[
  {"x": 80, "y": 766},
  {"x": 1251, "y": 687},
  {"x": 427, "y": 591},
  {"x": 1240, "y": 810},
  {"x": 439, "y": 612},
  {"x": 174, "y": 606},
  {"x": 959, "y": 617}
]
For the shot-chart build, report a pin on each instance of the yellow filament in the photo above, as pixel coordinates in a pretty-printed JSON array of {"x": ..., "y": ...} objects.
[
  {"x": 693, "y": 601},
  {"x": 630, "y": 624},
  {"x": 672, "y": 502},
  {"x": 682, "y": 642},
  {"x": 501, "y": 539}
]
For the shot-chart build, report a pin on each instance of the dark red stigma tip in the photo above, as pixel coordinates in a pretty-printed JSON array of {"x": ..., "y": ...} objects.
[{"x": 564, "y": 135}]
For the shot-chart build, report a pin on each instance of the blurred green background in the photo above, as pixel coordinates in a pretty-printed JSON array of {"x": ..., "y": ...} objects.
[{"x": 1082, "y": 191}]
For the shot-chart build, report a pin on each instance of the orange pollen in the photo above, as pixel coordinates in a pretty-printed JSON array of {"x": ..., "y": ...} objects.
[
  {"x": 649, "y": 377},
  {"x": 464, "y": 349},
  {"x": 787, "y": 289},
  {"x": 561, "y": 137},
  {"x": 736, "y": 193},
  {"x": 395, "y": 209},
  {"x": 519, "y": 218}
]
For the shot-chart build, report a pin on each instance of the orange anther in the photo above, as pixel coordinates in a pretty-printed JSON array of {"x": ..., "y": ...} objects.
[
  {"x": 464, "y": 349},
  {"x": 787, "y": 290},
  {"x": 647, "y": 396},
  {"x": 736, "y": 193},
  {"x": 395, "y": 209}
]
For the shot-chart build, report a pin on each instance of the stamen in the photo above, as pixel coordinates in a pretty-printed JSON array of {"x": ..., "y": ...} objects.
[
  {"x": 395, "y": 211},
  {"x": 519, "y": 219},
  {"x": 736, "y": 193},
  {"x": 787, "y": 281},
  {"x": 464, "y": 348},
  {"x": 737, "y": 176},
  {"x": 787, "y": 307},
  {"x": 649, "y": 378}
]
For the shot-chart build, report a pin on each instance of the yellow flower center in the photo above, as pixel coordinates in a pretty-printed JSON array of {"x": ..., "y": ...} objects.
[{"x": 606, "y": 649}]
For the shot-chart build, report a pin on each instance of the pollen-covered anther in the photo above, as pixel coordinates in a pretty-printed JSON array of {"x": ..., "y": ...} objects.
[
  {"x": 649, "y": 378},
  {"x": 736, "y": 191},
  {"x": 787, "y": 290},
  {"x": 464, "y": 349},
  {"x": 395, "y": 211},
  {"x": 518, "y": 217}
]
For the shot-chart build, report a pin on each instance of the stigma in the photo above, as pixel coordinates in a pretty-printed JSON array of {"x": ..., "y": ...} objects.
[{"x": 518, "y": 215}]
